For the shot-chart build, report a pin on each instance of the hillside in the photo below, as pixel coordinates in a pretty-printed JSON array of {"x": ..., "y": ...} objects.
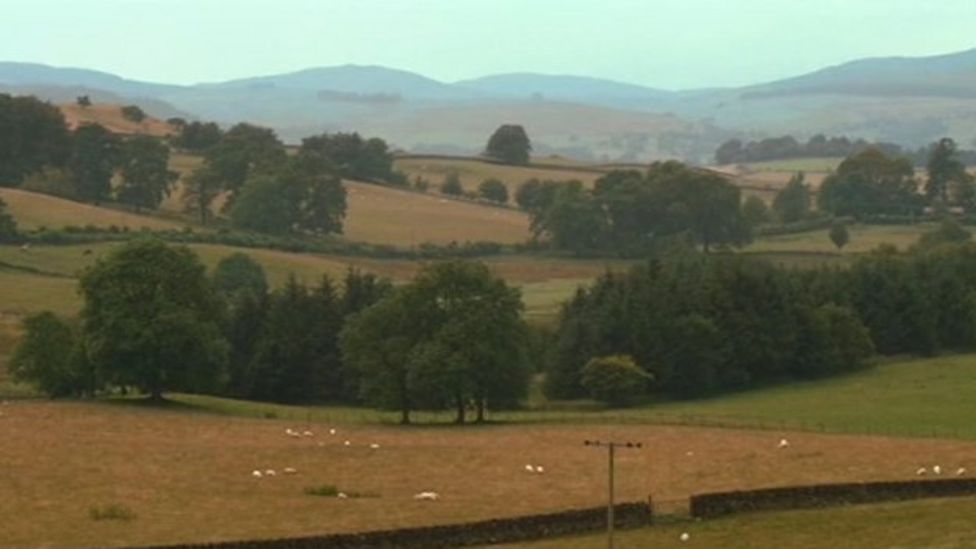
[
  {"x": 110, "y": 116},
  {"x": 34, "y": 210},
  {"x": 909, "y": 101}
]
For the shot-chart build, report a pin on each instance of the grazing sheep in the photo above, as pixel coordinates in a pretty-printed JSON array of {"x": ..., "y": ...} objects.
[
  {"x": 937, "y": 470},
  {"x": 292, "y": 433},
  {"x": 428, "y": 496},
  {"x": 530, "y": 468},
  {"x": 341, "y": 495},
  {"x": 960, "y": 471},
  {"x": 290, "y": 471},
  {"x": 783, "y": 443},
  {"x": 921, "y": 471},
  {"x": 332, "y": 431},
  {"x": 346, "y": 443},
  {"x": 270, "y": 473},
  {"x": 25, "y": 248},
  {"x": 308, "y": 434},
  {"x": 374, "y": 446},
  {"x": 539, "y": 469},
  {"x": 256, "y": 474},
  {"x": 684, "y": 536}
]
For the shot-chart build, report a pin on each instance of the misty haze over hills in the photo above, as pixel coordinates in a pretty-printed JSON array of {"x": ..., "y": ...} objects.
[{"x": 909, "y": 101}]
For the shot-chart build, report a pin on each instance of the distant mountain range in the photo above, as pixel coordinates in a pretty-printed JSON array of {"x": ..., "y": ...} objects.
[{"x": 909, "y": 101}]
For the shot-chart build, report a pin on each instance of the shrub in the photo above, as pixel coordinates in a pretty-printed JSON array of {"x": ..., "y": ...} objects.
[
  {"x": 615, "y": 380},
  {"x": 493, "y": 190},
  {"x": 113, "y": 511},
  {"x": 133, "y": 113},
  {"x": 452, "y": 185}
]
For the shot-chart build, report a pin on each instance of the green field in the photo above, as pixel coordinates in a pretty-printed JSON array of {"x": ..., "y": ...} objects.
[
  {"x": 44, "y": 277},
  {"x": 909, "y": 397},
  {"x": 943, "y": 523},
  {"x": 863, "y": 238},
  {"x": 825, "y": 164}
]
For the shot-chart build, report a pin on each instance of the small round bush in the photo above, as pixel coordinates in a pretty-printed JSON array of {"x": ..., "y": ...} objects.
[{"x": 616, "y": 380}]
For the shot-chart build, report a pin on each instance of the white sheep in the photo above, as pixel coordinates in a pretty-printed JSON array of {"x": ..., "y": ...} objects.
[
  {"x": 270, "y": 473},
  {"x": 921, "y": 471},
  {"x": 256, "y": 474},
  {"x": 290, "y": 471},
  {"x": 308, "y": 434},
  {"x": 783, "y": 443},
  {"x": 937, "y": 470},
  {"x": 332, "y": 431},
  {"x": 428, "y": 496},
  {"x": 539, "y": 469},
  {"x": 347, "y": 443},
  {"x": 960, "y": 471},
  {"x": 341, "y": 495},
  {"x": 374, "y": 446},
  {"x": 684, "y": 536},
  {"x": 529, "y": 468}
]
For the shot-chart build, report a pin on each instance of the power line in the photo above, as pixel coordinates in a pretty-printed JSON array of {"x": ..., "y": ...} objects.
[{"x": 611, "y": 448}]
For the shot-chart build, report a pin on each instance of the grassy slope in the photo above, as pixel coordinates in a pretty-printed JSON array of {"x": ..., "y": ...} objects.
[
  {"x": 944, "y": 523},
  {"x": 110, "y": 116},
  {"x": 863, "y": 238},
  {"x": 44, "y": 279},
  {"x": 33, "y": 210},
  {"x": 917, "y": 398}
]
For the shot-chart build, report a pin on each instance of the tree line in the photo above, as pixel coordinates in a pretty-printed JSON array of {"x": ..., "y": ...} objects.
[
  {"x": 153, "y": 321},
  {"x": 700, "y": 325},
  {"x": 630, "y": 213},
  {"x": 785, "y": 147}
]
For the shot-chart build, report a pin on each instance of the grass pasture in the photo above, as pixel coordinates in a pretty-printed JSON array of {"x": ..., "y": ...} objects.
[
  {"x": 187, "y": 476},
  {"x": 473, "y": 172},
  {"x": 45, "y": 276},
  {"x": 34, "y": 210},
  {"x": 863, "y": 238},
  {"x": 944, "y": 523},
  {"x": 110, "y": 116},
  {"x": 385, "y": 215}
]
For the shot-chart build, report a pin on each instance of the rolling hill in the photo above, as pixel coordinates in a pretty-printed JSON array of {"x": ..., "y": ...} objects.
[{"x": 910, "y": 101}]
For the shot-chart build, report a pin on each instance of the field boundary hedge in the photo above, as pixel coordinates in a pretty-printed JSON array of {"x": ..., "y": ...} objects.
[
  {"x": 826, "y": 495},
  {"x": 506, "y": 530}
]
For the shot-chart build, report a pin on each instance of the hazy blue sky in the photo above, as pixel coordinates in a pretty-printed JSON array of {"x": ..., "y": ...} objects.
[{"x": 661, "y": 43}]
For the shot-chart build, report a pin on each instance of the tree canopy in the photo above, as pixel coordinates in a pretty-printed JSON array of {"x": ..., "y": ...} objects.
[
  {"x": 453, "y": 336},
  {"x": 146, "y": 177},
  {"x": 151, "y": 319},
  {"x": 33, "y": 134},
  {"x": 510, "y": 145}
]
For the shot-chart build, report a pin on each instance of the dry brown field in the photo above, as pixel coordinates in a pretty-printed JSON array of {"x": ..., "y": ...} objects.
[
  {"x": 34, "y": 210},
  {"x": 404, "y": 218},
  {"x": 110, "y": 116},
  {"x": 187, "y": 476}
]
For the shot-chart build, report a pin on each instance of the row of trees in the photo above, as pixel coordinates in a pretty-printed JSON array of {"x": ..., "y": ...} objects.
[
  {"x": 152, "y": 320},
  {"x": 700, "y": 325},
  {"x": 629, "y": 212},
  {"x": 786, "y": 147},
  {"x": 872, "y": 183}
]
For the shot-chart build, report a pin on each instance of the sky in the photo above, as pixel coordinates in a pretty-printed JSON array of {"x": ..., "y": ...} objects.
[{"x": 671, "y": 44}]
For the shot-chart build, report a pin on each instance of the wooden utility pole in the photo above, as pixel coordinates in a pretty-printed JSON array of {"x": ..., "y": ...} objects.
[{"x": 611, "y": 451}]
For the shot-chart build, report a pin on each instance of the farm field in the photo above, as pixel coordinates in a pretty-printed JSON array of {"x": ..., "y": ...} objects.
[
  {"x": 385, "y": 215},
  {"x": 908, "y": 398},
  {"x": 34, "y": 210},
  {"x": 473, "y": 172},
  {"x": 943, "y": 523},
  {"x": 43, "y": 278},
  {"x": 863, "y": 238},
  {"x": 187, "y": 476}
]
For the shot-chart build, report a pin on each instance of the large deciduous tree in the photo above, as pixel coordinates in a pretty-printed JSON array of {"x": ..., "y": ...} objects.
[
  {"x": 33, "y": 135},
  {"x": 792, "y": 202},
  {"x": 242, "y": 152},
  {"x": 151, "y": 319},
  {"x": 94, "y": 160},
  {"x": 870, "y": 182},
  {"x": 509, "y": 144},
  {"x": 146, "y": 177},
  {"x": 452, "y": 337}
]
